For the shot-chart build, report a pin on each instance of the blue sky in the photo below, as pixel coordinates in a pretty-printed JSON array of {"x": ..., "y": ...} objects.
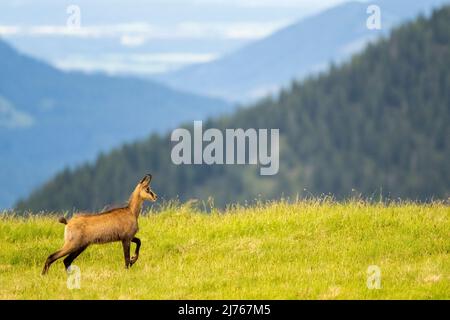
[{"x": 144, "y": 37}]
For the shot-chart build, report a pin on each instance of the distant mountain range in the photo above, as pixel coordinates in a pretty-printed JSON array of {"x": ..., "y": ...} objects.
[
  {"x": 310, "y": 45},
  {"x": 375, "y": 127},
  {"x": 51, "y": 119}
]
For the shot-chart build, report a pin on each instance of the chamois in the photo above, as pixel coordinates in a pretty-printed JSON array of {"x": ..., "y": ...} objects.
[{"x": 114, "y": 225}]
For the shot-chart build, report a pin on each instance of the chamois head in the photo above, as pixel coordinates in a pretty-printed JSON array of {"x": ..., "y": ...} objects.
[{"x": 144, "y": 189}]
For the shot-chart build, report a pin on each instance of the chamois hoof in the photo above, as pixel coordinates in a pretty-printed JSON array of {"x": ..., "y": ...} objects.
[{"x": 133, "y": 260}]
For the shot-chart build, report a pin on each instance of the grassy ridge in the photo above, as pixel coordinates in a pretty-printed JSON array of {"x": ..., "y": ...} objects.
[{"x": 307, "y": 250}]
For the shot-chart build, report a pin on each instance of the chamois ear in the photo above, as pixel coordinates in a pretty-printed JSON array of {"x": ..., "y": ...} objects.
[{"x": 146, "y": 180}]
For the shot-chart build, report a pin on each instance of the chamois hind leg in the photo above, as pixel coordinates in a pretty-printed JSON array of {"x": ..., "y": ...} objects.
[
  {"x": 65, "y": 250},
  {"x": 72, "y": 256},
  {"x": 136, "y": 252},
  {"x": 126, "y": 252}
]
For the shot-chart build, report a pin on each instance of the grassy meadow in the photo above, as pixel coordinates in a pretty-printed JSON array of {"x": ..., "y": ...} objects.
[{"x": 313, "y": 249}]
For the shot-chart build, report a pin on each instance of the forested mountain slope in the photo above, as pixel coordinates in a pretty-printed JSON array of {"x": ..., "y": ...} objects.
[{"x": 379, "y": 123}]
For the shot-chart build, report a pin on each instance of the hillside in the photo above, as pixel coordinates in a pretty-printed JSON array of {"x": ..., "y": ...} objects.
[
  {"x": 376, "y": 126},
  {"x": 294, "y": 52},
  {"x": 308, "y": 250},
  {"x": 50, "y": 119}
]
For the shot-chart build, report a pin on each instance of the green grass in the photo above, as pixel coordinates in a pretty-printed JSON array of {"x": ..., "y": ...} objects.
[{"x": 307, "y": 250}]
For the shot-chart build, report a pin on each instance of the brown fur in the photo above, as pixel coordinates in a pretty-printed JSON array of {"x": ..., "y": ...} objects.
[{"x": 114, "y": 225}]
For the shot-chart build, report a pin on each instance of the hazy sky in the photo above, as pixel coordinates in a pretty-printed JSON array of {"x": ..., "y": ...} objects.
[{"x": 144, "y": 36}]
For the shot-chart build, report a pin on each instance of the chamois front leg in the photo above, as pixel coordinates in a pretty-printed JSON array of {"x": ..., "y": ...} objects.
[
  {"x": 136, "y": 252},
  {"x": 126, "y": 252}
]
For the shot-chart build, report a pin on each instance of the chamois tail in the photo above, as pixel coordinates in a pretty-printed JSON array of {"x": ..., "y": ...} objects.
[{"x": 62, "y": 220}]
